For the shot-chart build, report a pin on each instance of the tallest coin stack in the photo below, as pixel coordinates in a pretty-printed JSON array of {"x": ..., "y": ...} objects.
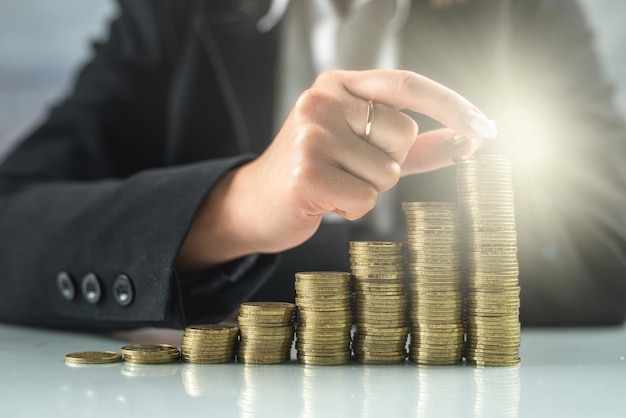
[{"x": 492, "y": 294}]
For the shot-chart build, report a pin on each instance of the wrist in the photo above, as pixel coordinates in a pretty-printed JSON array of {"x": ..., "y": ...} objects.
[{"x": 218, "y": 232}]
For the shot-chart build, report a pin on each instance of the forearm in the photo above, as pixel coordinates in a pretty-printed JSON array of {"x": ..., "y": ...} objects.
[{"x": 133, "y": 227}]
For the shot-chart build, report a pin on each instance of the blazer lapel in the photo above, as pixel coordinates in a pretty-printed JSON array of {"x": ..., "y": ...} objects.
[{"x": 244, "y": 61}]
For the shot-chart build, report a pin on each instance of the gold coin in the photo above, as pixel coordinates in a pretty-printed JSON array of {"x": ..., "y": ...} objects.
[
  {"x": 368, "y": 359},
  {"x": 322, "y": 345},
  {"x": 318, "y": 298},
  {"x": 207, "y": 345},
  {"x": 379, "y": 278},
  {"x": 502, "y": 363},
  {"x": 379, "y": 244},
  {"x": 316, "y": 275},
  {"x": 93, "y": 357},
  {"x": 334, "y": 315},
  {"x": 450, "y": 335},
  {"x": 209, "y": 361},
  {"x": 382, "y": 346},
  {"x": 324, "y": 339},
  {"x": 323, "y": 281},
  {"x": 390, "y": 338},
  {"x": 390, "y": 323},
  {"x": 368, "y": 330},
  {"x": 143, "y": 360},
  {"x": 252, "y": 359},
  {"x": 255, "y": 308},
  {"x": 212, "y": 328},
  {"x": 449, "y": 362},
  {"x": 324, "y": 360},
  {"x": 311, "y": 290},
  {"x": 145, "y": 349}
]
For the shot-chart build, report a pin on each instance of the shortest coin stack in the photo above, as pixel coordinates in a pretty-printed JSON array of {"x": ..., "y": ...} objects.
[
  {"x": 92, "y": 357},
  {"x": 209, "y": 343},
  {"x": 324, "y": 317},
  {"x": 266, "y": 332},
  {"x": 150, "y": 353}
]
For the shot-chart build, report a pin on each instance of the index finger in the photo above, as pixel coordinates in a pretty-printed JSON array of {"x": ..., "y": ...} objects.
[{"x": 408, "y": 90}]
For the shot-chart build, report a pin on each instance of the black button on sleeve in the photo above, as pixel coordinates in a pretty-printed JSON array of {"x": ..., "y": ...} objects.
[
  {"x": 66, "y": 286},
  {"x": 90, "y": 287},
  {"x": 123, "y": 290}
]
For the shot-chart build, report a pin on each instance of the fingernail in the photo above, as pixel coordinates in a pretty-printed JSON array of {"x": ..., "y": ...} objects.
[
  {"x": 483, "y": 126},
  {"x": 455, "y": 142}
]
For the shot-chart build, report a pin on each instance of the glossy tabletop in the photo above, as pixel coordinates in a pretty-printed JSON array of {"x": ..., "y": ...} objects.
[{"x": 564, "y": 373}]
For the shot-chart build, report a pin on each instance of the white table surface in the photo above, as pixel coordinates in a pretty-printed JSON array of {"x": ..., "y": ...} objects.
[{"x": 564, "y": 373}]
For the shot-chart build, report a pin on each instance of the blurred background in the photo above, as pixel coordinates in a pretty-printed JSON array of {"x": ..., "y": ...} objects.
[{"x": 43, "y": 43}]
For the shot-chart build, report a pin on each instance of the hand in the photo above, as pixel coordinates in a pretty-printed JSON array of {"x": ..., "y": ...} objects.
[{"x": 319, "y": 162}]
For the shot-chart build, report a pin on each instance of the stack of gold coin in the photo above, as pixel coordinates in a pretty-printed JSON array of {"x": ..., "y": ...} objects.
[
  {"x": 150, "y": 353},
  {"x": 209, "y": 343},
  {"x": 324, "y": 317},
  {"x": 266, "y": 332},
  {"x": 484, "y": 184},
  {"x": 379, "y": 302},
  {"x": 434, "y": 271}
]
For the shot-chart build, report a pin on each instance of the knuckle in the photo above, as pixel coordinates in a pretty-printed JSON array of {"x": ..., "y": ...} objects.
[
  {"x": 369, "y": 199},
  {"x": 327, "y": 76},
  {"x": 308, "y": 102},
  {"x": 388, "y": 175},
  {"x": 408, "y": 131},
  {"x": 305, "y": 173},
  {"x": 366, "y": 199},
  {"x": 313, "y": 105},
  {"x": 311, "y": 138},
  {"x": 401, "y": 80},
  {"x": 392, "y": 175},
  {"x": 412, "y": 128}
]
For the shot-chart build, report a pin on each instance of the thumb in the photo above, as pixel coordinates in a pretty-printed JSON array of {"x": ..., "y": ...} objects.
[{"x": 435, "y": 149}]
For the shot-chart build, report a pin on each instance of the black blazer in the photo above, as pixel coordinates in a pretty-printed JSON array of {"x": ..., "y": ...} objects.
[{"x": 182, "y": 91}]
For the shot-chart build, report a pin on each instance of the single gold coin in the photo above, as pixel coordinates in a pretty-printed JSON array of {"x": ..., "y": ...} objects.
[
  {"x": 93, "y": 357},
  {"x": 212, "y": 328},
  {"x": 256, "y": 308}
]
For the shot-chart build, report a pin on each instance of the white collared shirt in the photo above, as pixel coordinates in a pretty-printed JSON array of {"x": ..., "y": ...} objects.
[{"x": 315, "y": 38}]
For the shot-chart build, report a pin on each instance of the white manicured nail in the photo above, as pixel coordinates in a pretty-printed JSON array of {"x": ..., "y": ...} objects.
[{"x": 483, "y": 126}]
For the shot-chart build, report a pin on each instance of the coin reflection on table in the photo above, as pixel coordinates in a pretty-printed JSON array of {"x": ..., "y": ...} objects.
[
  {"x": 140, "y": 370},
  {"x": 215, "y": 380},
  {"x": 441, "y": 390},
  {"x": 326, "y": 390},
  {"x": 267, "y": 390},
  {"x": 498, "y": 391}
]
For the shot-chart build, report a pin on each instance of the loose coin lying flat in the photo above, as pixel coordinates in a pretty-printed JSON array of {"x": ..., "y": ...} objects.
[{"x": 93, "y": 357}]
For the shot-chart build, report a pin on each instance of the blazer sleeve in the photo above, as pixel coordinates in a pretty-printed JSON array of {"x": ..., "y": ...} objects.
[
  {"x": 91, "y": 219},
  {"x": 570, "y": 180}
]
